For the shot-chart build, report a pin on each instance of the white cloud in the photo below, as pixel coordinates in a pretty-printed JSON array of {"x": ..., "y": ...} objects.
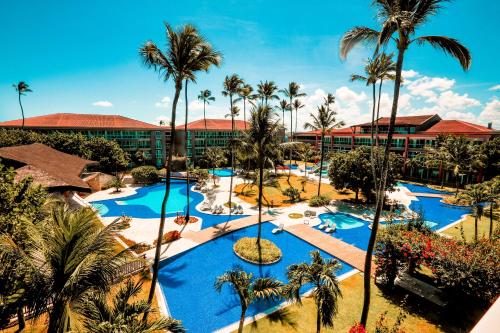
[
  {"x": 163, "y": 103},
  {"x": 457, "y": 115},
  {"x": 429, "y": 87},
  {"x": 450, "y": 100},
  {"x": 409, "y": 74},
  {"x": 491, "y": 113},
  {"x": 349, "y": 96},
  {"x": 495, "y": 88},
  {"x": 103, "y": 104},
  {"x": 195, "y": 105},
  {"x": 163, "y": 118}
]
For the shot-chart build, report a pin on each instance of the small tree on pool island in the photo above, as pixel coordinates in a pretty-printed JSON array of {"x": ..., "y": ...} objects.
[
  {"x": 249, "y": 289},
  {"x": 321, "y": 274}
]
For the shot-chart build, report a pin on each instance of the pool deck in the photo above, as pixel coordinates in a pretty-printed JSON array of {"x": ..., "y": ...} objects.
[
  {"x": 331, "y": 245},
  {"x": 427, "y": 195},
  {"x": 206, "y": 235}
]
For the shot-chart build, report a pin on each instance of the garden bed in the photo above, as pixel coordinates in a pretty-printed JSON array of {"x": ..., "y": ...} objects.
[{"x": 246, "y": 249}]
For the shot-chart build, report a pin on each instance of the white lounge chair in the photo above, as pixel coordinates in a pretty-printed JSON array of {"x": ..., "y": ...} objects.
[
  {"x": 221, "y": 210},
  {"x": 324, "y": 225},
  {"x": 240, "y": 209},
  {"x": 331, "y": 227},
  {"x": 278, "y": 229}
]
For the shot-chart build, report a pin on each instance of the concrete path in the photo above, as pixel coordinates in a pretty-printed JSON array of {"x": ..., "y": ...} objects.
[
  {"x": 337, "y": 248},
  {"x": 218, "y": 230}
]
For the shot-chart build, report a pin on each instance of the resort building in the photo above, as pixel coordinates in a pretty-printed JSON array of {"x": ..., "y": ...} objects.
[
  {"x": 54, "y": 170},
  {"x": 217, "y": 134},
  {"x": 132, "y": 135}
]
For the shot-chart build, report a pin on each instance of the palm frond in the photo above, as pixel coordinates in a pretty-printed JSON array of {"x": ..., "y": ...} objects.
[
  {"x": 450, "y": 46},
  {"x": 355, "y": 36}
]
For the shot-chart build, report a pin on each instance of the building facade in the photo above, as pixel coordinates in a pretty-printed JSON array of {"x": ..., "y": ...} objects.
[
  {"x": 217, "y": 134},
  {"x": 132, "y": 135}
]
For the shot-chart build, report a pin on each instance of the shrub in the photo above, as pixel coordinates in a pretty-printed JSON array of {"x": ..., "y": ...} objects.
[
  {"x": 319, "y": 200},
  {"x": 292, "y": 193},
  {"x": 169, "y": 237},
  {"x": 145, "y": 174},
  {"x": 116, "y": 183},
  {"x": 247, "y": 248}
]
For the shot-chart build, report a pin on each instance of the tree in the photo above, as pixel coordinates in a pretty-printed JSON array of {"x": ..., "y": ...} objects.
[
  {"x": 320, "y": 273},
  {"x": 245, "y": 94},
  {"x": 400, "y": 18},
  {"x": 22, "y": 88},
  {"x": 266, "y": 91},
  {"x": 307, "y": 152},
  {"x": 292, "y": 92},
  {"x": 214, "y": 157},
  {"x": 325, "y": 122},
  {"x": 263, "y": 138},
  {"x": 122, "y": 313},
  {"x": 140, "y": 157},
  {"x": 476, "y": 195},
  {"x": 491, "y": 150},
  {"x": 108, "y": 153},
  {"x": 249, "y": 289},
  {"x": 185, "y": 47},
  {"x": 206, "y": 97},
  {"x": 297, "y": 105},
  {"x": 284, "y": 106},
  {"x": 72, "y": 254},
  {"x": 232, "y": 85},
  {"x": 493, "y": 190}
]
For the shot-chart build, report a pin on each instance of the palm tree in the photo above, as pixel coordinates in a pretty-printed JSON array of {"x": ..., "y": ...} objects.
[
  {"x": 232, "y": 85},
  {"x": 262, "y": 137},
  {"x": 249, "y": 289},
  {"x": 400, "y": 18},
  {"x": 22, "y": 88},
  {"x": 245, "y": 94},
  {"x": 214, "y": 157},
  {"x": 122, "y": 313},
  {"x": 321, "y": 275},
  {"x": 493, "y": 190},
  {"x": 292, "y": 92},
  {"x": 187, "y": 53},
  {"x": 266, "y": 91},
  {"x": 477, "y": 195},
  {"x": 325, "y": 122},
  {"x": 307, "y": 152},
  {"x": 284, "y": 106},
  {"x": 206, "y": 97},
  {"x": 72, "y": 254},
  {"x": 297, "y": 104}
]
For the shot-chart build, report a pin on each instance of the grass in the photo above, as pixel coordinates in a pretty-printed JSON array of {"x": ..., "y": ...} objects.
[
  {"x": 422, "y": 317},
  {"x": 483, "y": 226},
  {"x": 272, "y": 196},
  {"x": 247, "y": 248}
]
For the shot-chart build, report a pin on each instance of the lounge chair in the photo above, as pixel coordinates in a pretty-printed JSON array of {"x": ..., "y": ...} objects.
[
  {"x": 312, "y": 213},
  {"x": 221, "y": 210},
  {"x": 324, "y": 225},
  {"x": 278, "y": 229},
  {"x": 307, "y": 213},
  {"x": 331, "y": 227}
]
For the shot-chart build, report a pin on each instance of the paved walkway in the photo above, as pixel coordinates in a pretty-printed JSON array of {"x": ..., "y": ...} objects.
[
  {"x": 428, "y": 195},
  {"x": 337, "y": 248},
  {"x": 218, "y": 230}
]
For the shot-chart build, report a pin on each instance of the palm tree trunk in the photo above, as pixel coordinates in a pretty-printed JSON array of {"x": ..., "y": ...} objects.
[
  {"x": 206, "y": 128},
  {"x": 374, "y": 163},
  {"x": 284, "y": 128},
  {"x": 321, "y": 162},
  {"x": 20, "y": 318},
  {"x": 381, "y": 191},
  {"x": 232, "y": 154},
  {"x": 318, "y": 319},
  {"x": 475, "y": 227},
  {"x": 296, "y": 114},
  {"x": 245, "y": 113},
  {"x": 22, "y": 110},
  {"x": 186, "y": 149},
  {"x": 491, "y": 219},
  {"x": 259, "y": 200},
  {"x": 378, "y": 111},
  {"x": 242, "y": 319},
  {"x": 156, "y": 263}
]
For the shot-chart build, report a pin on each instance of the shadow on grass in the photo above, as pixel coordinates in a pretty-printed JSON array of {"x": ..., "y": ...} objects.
[{"x": 281, "y": 316}]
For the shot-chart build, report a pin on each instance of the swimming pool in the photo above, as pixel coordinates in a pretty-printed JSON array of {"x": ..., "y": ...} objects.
[
  {"x": 343, "y": 221},
  {"x": 187, "y": 279},
  {"x": 225, "y": 172},
  {"x": 292, "y": 166},
  {"x": 146, "y": 203}
]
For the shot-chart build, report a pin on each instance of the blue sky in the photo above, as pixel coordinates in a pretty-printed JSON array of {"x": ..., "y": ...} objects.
[{"x": 82, "y": 57}]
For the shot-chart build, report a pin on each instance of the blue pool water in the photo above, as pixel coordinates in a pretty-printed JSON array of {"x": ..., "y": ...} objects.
[
  {"x": 420, "y": 188},
  {"x": 343, "y": 221},
  {"x": 292, "y": 166},
  {"x": 146, "y": 203},
  {"x": 187, "y": 279},
  {"x": 226, "y": 172}
]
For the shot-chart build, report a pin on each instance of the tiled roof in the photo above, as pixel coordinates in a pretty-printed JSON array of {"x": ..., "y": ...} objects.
[
  {"x": 75, "y": 120},
  {"x": 345, "y": 130},
  {"x": 405, "y": 120},
  {"x": 214, "y": 125},
  {"x": 48, "y": 167},
  {"x": 457, "y": 127}
]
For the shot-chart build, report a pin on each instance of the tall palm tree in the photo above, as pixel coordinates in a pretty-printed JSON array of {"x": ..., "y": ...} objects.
[
  {"x": 292, "y": 92},
  {"x": 401, "y": 18},
  {"x": 263, "y": 138},
  {"x": 245, "y": 94},
  {"x": 307, "y": 152},
  {"x": 284, "y": 106},
  {"x": 325, "y": 122},
  {"x": 72, "y": 254},
  {"x": 493, "y": 190},
  {"x": 232, "y": 85},
  {"x": 477, "y": 195},
  {"x": 122, "y": 312},
  {"x": 249, "y": 289},
  {"x": 206, "y": 97},
  {"x": 187, "y": 52},
  {"x": 22, "y": 88},
  {"x": 321, "y": 275},
  {"x": 297, "y": 105},
  {"x": 214, "y": 157},
  {"x": 266, "y": 91}
]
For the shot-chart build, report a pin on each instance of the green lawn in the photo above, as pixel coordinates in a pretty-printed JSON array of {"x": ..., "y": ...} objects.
[{"x": 468, "y": 226}]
